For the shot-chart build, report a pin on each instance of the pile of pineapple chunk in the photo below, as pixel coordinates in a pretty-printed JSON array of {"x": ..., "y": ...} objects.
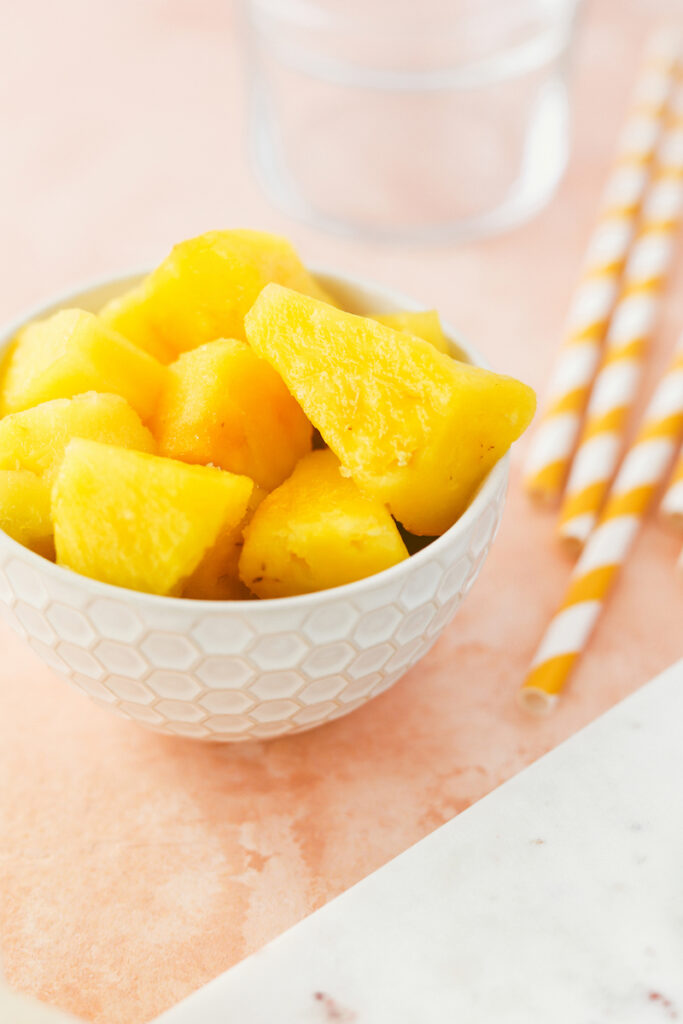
[{"x": 166, "y": 444}]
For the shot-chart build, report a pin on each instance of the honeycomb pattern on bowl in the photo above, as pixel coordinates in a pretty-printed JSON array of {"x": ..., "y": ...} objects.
[{"x": 243, "y": 670}]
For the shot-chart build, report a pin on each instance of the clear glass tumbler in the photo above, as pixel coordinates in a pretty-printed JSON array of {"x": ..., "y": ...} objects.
[{"x": 420, "y": 120}]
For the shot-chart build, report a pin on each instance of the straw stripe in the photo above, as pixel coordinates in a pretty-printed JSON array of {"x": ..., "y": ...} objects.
[
  {"x": 633, "y": 491},
  {"x": 672, "y": 505},
  {"x": 553, "y": 444},
  {"x": 618, "y": 381}
]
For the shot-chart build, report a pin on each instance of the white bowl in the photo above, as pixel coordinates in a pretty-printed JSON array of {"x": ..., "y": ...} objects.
[{"x": 240, "y": 670}]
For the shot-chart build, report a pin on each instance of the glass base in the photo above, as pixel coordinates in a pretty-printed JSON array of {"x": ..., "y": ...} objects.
[{"x": 431, "y": 166}]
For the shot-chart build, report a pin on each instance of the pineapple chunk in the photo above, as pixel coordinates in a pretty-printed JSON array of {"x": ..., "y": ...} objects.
[
  {"x": 138, "y": 520},
  {"x": 317, "y": 531},
  {"x": 71, "y": 352},
  {"x": 416, "y": 429},
  {"x": 216, "y": 578},
  {"x": 223, "y": 405},
  {"x": 125, "y": 315},
  {"x": 25, "y": 510},
  {"x": 36, "y": 438},
  {"x": 424, "y": 324},
  {"x": 204, "y": 287}
]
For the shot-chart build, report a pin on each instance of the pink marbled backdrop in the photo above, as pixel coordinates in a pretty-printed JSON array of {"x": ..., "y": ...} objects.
[{"x": 134, "y": 868}]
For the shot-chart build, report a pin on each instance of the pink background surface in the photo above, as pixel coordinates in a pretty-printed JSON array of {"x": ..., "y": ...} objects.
[{"x": 133, "y": 868}]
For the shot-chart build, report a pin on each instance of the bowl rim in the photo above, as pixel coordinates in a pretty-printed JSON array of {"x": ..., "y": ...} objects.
[{"x": 496, "y": 477}]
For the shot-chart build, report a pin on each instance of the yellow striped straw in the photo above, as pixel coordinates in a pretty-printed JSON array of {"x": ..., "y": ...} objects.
[
  {"x": 672, "y": 505},
  {"x": 553, "y": 443},
  {"x": 644, "y": 467},
  {"x": 628, "y": 336}
]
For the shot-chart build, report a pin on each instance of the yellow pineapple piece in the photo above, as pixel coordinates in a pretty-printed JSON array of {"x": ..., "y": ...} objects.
[
  {"x": 317, "y": 531},
  {"x": 36, "y": 438},
  {"x": 25, "y": 510},
  {"x": 72, "y": 352},
  {"x": 278, "y": 260},
  {"x": 126, "y": 315},
  {"x": 204, "y": 287},
  {"x": 423, "y": 324},
  {"x": 216, "y": 578},
  {"x": 138, "y": 520},
  {"x": 223, "y": 405},
  {"x": 416, "y": 429}
]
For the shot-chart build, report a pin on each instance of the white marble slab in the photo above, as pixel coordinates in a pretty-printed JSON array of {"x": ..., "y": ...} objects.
[
  {"x": 18, "y": 1009},
  {"x": 557, "y": 899}
]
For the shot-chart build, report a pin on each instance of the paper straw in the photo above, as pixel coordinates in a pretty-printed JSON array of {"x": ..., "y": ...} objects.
[
  {"x": 643, "y": 469},
  {"x": 628, "y": 337},
  {"x": 554, "y": 441},
  {"x": 672, "y": 505}
]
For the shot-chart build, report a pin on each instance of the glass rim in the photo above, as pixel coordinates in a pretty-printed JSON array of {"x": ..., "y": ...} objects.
[
  {"x": 274, "y": 21},
  {"x": 309, "y": 14},
  {"x": 474, "y": 72}
]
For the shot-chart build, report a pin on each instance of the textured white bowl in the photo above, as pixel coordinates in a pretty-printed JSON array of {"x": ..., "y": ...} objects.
[{"x": 239, "y": 670}]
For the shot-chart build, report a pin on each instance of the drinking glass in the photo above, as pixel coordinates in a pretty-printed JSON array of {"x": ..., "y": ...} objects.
[{"x": 434, "y": 119}]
